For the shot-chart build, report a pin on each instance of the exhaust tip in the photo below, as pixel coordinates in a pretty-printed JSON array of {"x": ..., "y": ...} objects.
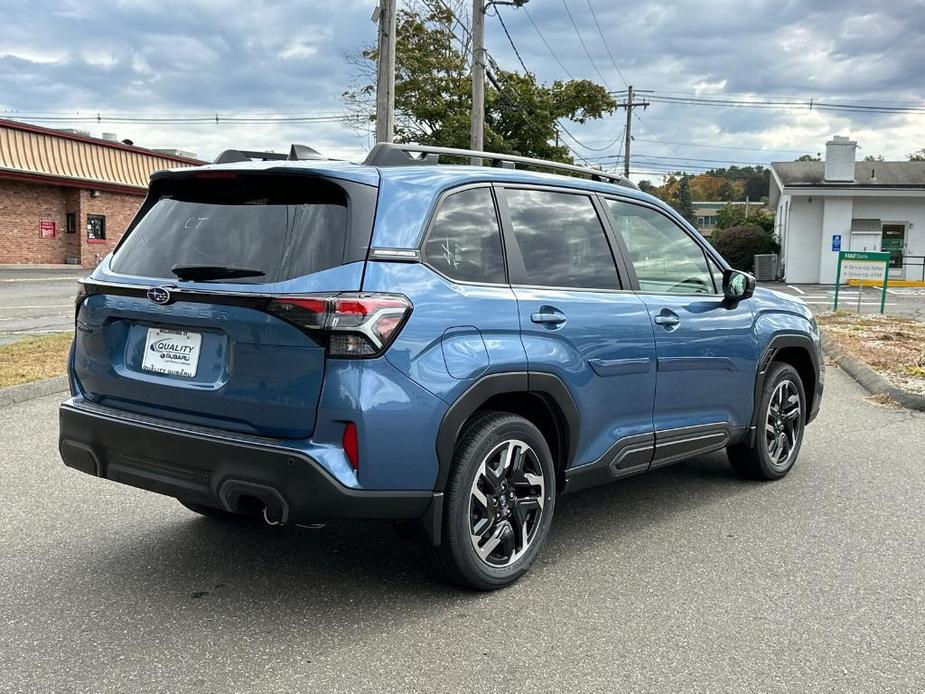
[{"x": 239, "y": 496}]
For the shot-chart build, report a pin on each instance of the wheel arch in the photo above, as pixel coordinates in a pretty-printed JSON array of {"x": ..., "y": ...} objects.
[
  {"x": 541, "y": 398},
  {"x": 797, "y": 350}
]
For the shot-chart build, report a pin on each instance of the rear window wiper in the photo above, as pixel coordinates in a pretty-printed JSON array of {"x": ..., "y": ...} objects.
[{"x": 194, "y": 273}]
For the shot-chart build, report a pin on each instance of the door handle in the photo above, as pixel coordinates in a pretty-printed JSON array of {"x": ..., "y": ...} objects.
[
  {"x": 667, "y": 318},
  {"x": 548, "y": 315}
]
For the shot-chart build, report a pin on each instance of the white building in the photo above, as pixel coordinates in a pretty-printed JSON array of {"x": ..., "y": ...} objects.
[{"x": 852, "y": 205}]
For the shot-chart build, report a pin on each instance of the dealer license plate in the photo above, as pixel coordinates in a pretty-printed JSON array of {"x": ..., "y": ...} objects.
[{"x": 174, "y": 352}]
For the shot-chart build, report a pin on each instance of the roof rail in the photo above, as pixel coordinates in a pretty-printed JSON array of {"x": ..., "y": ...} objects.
[
  {"x": 391, "y": 154},
  {"x": 296, "y": 153}
]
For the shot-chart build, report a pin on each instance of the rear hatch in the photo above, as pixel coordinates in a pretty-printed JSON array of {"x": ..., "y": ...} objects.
[{"x": 180, "y": 323}]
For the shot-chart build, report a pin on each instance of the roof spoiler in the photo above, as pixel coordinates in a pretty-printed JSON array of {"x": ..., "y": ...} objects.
[{"x": 296, "y": 153}]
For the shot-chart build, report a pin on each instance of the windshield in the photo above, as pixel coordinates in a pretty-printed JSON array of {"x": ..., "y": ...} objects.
[{"x": 276, "y": 227}]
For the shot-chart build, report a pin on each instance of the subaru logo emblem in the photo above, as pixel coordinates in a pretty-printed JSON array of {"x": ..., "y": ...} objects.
[{"x": 159, "y": 295}]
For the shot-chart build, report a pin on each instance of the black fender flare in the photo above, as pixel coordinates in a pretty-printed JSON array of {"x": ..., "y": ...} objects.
[
  {"x": 546, "y": 385},
  {"x": 777, "y": 343}
]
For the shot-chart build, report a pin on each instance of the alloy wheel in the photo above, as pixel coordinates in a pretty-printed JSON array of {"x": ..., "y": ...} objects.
[
  {"x": 506, "y": 503},
  {"x": 784, "y": 424}
]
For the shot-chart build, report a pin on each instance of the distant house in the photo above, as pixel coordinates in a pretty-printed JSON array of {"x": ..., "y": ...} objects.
[
  {"x": 840, "y": 203},
  {"x": 705, "y": 213}
]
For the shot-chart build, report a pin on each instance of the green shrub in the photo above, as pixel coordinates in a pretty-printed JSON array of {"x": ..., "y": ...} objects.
[{"x": 738, "y": 245}]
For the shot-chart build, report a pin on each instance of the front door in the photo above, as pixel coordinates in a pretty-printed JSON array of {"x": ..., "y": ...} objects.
[
  {"x": 893, "y": 241},
  {"x": 707, "y": 351},
  {"x": 578, "y": 324}
]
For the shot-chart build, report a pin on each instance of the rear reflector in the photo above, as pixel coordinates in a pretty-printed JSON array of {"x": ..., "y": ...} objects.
[
  {"x": 351, "y": 446},
  {"x": 355, "y": 325}
]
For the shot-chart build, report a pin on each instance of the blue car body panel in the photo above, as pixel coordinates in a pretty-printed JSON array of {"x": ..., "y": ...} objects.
[{"x": 604, "y": 353}]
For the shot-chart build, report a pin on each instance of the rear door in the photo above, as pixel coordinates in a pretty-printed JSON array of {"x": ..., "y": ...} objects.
[
  {"x": 578, "y": 323},
  {"x": 179, "y": 323},
  {"x": 707, "y": 350}
]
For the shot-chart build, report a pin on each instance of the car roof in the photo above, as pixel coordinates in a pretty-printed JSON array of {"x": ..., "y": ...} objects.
[{"x": 407, "y": 193}]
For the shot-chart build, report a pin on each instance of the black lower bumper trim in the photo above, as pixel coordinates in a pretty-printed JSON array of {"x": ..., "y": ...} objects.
[{"x": 219, "y": 470}]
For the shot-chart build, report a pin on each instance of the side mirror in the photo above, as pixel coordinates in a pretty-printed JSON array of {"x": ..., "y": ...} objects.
[{"x": 737, "y": 285}]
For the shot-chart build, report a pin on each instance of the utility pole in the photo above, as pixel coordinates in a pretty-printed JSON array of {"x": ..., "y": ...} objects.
[
  {"x": 477, "y": 129},
  {"x": 385, "y": 71},
  {"x": 629, "y": 104}
]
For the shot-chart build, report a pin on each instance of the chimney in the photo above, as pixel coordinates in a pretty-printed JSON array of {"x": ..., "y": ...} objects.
[{"x": 839, "y": 158}]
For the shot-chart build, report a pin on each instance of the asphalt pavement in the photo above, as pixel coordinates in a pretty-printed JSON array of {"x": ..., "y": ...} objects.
[
  {"x": 34, "y": 301},
  {"x": 683, "y": 580}
]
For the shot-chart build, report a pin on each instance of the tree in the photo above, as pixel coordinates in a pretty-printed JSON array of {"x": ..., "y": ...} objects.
[
  {"x": 918, "y": 155},
  {"x": 738, "y": 245},
  {"x": 685, "y": 205},
  {"x": 871, "y": 157},
  {"x": 730, "y": 216},
  {"x": 808, "y": 157},
  {"x": 433, "y": 94}
]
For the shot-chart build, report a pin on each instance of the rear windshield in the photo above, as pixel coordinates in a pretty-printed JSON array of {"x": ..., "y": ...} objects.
[{"x": 281, "y": 226}]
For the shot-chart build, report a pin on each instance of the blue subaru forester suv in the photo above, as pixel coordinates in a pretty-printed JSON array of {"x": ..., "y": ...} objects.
[{"x": 447, "y": 347}]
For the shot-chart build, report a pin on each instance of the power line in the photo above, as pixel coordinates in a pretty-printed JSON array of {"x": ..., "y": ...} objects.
[
  {"x": 706, "y": 146},
  {"x": 606, "y": 46},
  {"x": 546, "y": 43},
  {"x": 584, "y": 45},
  {"x": 811, "y": 104},
  {"x": 714, "y": 161},
  {"x": 510, "y": 40}
]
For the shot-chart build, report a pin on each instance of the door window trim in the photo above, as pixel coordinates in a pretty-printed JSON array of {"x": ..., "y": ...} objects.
[
  {"x": 516, "y": 267},
  {"x": 432, "y": 217},
  {"x": 708, "y": 251}
]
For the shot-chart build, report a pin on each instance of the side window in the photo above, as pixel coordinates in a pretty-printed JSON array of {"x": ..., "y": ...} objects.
[
  {"x": 464, "y": 240},
  {"x": 561, "y": 240},
  {"x": 665, "y": 258},
  {"x": 717, "y": 273}
]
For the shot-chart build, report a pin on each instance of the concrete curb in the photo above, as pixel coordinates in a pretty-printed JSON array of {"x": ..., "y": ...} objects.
[
  {"x": 871, "y": 380},
  {"x": 29, "y": 391}
]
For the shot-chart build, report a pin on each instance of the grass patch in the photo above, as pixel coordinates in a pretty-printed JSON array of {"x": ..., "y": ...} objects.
[
  {"x": 893, "y": 346},
  {"x": 34, "y": 358}
]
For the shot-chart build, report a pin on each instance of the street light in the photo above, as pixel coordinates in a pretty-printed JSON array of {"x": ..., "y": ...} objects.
[{"x": 477, "y": 131}]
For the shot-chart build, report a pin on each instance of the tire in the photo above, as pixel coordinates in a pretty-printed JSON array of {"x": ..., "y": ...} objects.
[
  {"x": 501, "y": 490},
  {"x": 218, "y": 513},
  {"x": 779, "y": 432}
]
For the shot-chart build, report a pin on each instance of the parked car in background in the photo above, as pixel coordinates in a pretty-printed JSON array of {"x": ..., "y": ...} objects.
[{"x": 448, "y": 346}]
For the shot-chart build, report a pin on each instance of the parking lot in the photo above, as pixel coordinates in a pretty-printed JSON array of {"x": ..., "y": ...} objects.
[{"x": 684, "y": 580}]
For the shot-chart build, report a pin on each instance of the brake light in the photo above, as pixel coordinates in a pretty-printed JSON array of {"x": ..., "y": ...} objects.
[
  {"x": 351, "y": 446},
  {"x": 355, "y": 325}
]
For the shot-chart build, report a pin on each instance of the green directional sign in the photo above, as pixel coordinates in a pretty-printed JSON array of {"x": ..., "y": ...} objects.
[{"x": 864, "y": 266}]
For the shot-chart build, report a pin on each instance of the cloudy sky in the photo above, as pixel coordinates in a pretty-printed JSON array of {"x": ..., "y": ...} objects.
[{"x": 138, "y": 58}]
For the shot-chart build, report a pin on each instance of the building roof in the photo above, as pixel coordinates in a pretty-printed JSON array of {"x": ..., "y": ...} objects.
[
  {"x": 905, "y": 174},
  {"x": 30, "y": 152}
]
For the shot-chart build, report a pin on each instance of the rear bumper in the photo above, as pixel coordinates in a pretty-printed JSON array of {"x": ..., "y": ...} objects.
[{"x": 219, "y": 469}]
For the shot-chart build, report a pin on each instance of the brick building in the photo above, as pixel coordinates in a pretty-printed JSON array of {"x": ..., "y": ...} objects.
[{"x": 66, "y": 197}]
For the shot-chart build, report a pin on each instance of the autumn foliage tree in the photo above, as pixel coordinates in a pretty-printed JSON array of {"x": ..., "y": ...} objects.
[{"x": 433, "y": 93}]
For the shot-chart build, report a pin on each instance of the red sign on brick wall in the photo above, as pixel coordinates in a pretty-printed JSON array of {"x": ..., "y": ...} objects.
[{"x": 47, "y": 230}]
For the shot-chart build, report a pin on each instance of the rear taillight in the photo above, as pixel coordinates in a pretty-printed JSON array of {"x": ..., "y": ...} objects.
[{"x": 354, "y": 325}]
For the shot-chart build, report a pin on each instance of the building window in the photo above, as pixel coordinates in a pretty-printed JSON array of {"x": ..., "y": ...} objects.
[
  {"x": 96, "y": 227},
  {"x": 71, "y": 222}
]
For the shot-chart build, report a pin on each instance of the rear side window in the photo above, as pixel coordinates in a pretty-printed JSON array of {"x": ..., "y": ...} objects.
[
  {"x": 281, "y": 226},
  {"x": 561, "y": 240},
  {"x": 464, "y": 241},
  {"x": 666, "y": 259}
]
